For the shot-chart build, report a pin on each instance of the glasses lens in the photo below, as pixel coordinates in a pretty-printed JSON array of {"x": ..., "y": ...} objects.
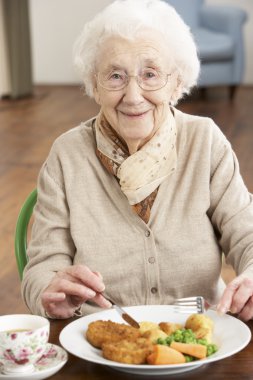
[
  {"x": 113, "y": 81},
  {"x": 152, "y": 80},
  {"x": 148, "y": 80}
]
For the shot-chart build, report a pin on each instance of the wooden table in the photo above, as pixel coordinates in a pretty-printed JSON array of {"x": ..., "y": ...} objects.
[{"x": 236, "y": 367}]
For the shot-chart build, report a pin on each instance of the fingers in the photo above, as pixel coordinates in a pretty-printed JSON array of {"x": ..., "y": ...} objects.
[
  {"x": 101, "y": 301},
  {"x": 247, "y": 312},
  {"x": 226, "y": 300},
  {"x": 238, "y": 298},
  {"x": 98, "y": 274},
  {"x": 48, "y": 297},
  {"x": 242, "y": 295},
  {"x": 83, "y": 274},
  {"x": 70, "y": 288},
  {"x": 52, "y": 303},
  {"x": 71, "y": 281},
  {"x": 58, "y": 305},
  {"x": 65, "y": 285}
]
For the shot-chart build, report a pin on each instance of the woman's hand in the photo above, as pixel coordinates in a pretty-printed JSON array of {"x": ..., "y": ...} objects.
[
  {"x": 238, "y": 298},
  {"x": 70, "y": 288}
]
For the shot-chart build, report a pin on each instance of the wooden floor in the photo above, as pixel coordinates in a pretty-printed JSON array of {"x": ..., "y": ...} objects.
[{"x": 29, "y": 126}]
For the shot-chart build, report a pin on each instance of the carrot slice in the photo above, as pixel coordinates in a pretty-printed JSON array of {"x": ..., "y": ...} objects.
[
  {"x": 165, "y": 355},
  {"x": 194, "y": 349}
]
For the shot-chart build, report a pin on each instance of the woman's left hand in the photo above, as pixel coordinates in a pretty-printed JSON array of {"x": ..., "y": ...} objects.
[{"x": 238, "y": 298}]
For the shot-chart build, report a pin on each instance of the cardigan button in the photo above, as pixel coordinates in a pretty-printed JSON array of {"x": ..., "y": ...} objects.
[
  {"x": 151, "y": 260},
  {"x": 147, "y": 233},
  {"x": 153, "y": 290}
]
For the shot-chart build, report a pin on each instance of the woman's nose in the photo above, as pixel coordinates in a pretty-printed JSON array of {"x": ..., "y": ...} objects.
[{"x": 133, "y": 93}]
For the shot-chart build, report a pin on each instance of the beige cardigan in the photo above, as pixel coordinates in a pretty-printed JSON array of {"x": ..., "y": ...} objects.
[{"x": 82, "y": 216}]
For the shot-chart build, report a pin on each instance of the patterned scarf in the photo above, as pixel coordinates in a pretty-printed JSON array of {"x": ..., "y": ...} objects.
[{"x": 141, "y": 173}]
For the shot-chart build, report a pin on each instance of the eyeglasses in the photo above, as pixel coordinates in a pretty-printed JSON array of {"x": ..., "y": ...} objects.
[{"x": 148, "y": 80}]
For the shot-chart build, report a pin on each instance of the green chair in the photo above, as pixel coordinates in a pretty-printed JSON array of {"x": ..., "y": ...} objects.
[{"x": 21, "y": 231}]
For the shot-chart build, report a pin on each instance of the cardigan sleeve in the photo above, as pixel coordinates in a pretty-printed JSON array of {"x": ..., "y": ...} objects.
[
  {"x": 231, "y": 210},
  {"x": 51, "y": 247}
]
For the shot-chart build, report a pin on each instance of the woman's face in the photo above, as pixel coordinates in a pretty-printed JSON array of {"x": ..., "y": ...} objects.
[{"x": 134, "y": 113}]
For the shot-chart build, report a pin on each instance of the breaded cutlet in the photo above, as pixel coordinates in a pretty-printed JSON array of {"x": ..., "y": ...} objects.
[
  {"x": 129, "y": 352},
  {"x": 100, "y": 332}
]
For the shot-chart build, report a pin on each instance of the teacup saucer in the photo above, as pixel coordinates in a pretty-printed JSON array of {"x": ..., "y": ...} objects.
[{"x": 52, "y": 361}]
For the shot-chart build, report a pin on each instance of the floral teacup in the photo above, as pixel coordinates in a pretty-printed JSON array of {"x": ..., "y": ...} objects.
[{"x": 23, "y": 340}]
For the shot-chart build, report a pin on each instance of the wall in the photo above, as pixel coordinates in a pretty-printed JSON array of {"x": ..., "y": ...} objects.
[
  {"x": 248, "y": 33},
  {"x": 55, "y": 24}
]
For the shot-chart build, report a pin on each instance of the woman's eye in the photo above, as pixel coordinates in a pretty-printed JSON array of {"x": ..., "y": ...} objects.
[
  {"x": 150, "y": 75},
  {"x": 116, "y": 76}
]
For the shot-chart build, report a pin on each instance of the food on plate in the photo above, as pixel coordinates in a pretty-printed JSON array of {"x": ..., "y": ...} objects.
[
  {"x": 154, "y": 331},
  {"x": 100, "y": 332},
  {"x": 201, "y": 325},
  {"x": 128, "y": 352},
  {"x": 197, "y": 350},
  {"x": 147, "y": 326},
  {"x": 154, "y": 334},
  {"x": 165, "y": 355},
  {"x": 152, "y": 343},
  {"x": 187, "y": 336},
  {"x": 169, "y": 327}
]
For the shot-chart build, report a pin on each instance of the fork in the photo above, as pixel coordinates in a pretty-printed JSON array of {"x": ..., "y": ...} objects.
[{"x": 192, "y": 305}]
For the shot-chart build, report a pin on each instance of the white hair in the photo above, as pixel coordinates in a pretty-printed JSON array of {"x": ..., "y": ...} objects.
[{"x": 126, "y": 18}]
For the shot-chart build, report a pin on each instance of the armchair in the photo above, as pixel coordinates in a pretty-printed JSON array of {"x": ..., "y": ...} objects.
[{"x": 218, "y": 33}]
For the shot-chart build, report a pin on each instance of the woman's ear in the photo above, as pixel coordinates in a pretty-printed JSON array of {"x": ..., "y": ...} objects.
[
  {"x": 96, "y": 94},
  {"x": 178, "y": 90},
  {"x": 96, "y": 91}
]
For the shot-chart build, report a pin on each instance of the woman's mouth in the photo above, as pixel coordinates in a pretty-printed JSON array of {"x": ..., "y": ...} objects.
[{"x": 134, "y": 115}]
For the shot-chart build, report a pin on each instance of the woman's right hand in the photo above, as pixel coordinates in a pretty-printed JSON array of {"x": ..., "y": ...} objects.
[{"x": 70, "y": 288}]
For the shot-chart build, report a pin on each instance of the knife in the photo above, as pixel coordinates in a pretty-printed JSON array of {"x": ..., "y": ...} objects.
[{"x": 127, "y": 318}]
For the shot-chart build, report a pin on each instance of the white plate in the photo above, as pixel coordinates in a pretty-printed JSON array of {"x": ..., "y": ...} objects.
[
  {"x": 52, "y": 361},
  {"x": 230, "y": 334}
]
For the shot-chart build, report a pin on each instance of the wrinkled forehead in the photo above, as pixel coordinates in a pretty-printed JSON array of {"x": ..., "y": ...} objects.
[{"x": 145, "y": 50}]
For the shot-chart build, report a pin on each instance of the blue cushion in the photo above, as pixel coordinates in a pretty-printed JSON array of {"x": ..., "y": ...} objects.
[
  {"x": 213, "y": 46},
  {"x": 188, "y": 10}
]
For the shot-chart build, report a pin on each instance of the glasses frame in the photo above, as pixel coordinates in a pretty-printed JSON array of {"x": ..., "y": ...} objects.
[{"x": 128, "y": 77}]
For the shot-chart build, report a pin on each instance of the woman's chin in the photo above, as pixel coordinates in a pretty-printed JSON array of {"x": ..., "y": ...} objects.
[{"x": 140, "y": 131}]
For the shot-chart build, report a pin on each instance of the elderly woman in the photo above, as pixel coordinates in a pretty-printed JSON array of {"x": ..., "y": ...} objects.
[{"x": 138, "y": 203}]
